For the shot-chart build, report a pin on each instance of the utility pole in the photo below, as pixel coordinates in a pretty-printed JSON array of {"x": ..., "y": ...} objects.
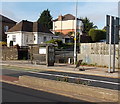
[{"x": 75, "y": 53}]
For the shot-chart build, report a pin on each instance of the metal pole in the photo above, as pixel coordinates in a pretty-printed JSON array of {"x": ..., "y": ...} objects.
[
  {"x": 109, "y": 69},
  {"x": 113, "y": 69},
  {"x": 75, "y": 54}
]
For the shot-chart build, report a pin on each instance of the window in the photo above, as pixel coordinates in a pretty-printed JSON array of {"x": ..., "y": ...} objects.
[
  {"x": 6, "y": 28},
  {"x": 34, "y": 37},
  {"x": 44, "y": 39},
  {"x": 27, "y": 39},
  {"x": 14, "y": 38}
]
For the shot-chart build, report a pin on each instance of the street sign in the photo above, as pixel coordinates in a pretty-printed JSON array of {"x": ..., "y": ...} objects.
[
  {"x": 117, "y": 30},
  {"x": 112, "y": 37},
  {"x": 112, "y": 28}
]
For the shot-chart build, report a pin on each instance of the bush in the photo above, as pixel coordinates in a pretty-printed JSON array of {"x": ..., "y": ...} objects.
[
  {"x": 58, "y": 33},
  {"x": 56, "y": 41},
  {"x": 97, "y": 35},
  {"x": 2, "y": 43}
]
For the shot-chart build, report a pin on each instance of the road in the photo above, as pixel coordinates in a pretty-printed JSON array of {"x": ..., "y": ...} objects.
[
  {"x": 13, "y": 93},
  {"x": 90, "y": 80}
]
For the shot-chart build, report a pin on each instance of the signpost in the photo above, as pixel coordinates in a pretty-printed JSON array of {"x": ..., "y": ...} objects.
[{"x": 112, "y": 37}]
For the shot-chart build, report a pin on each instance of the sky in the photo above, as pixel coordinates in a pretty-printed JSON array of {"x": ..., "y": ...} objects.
[{"x": 95, "y": 11}]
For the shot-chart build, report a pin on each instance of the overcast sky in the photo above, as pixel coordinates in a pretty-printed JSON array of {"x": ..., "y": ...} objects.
[{"x": 95, "y": 11}]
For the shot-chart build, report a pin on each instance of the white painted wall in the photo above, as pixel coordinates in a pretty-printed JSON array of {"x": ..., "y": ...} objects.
[
  {"x": 18, "y": 36},
  {"x": 42, "y": 36},
  {"x": 25, "y": 38},
  {"x": 36, "y": 37},
  {"x": 68, "y": 24},
  {"x": 42, "y": 50},
  {"x": 22, "y": 38}
]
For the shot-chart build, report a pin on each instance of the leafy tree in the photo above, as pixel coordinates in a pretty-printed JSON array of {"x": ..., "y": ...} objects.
[
  {"x": 71, "y": 33},
  {"x": 56, "y": 41},
  {"x": 58, "y": 33},
  {"x": 97, "y": 34},
  {"x": 45, "y": 19},
  {"x": 87, "y": 25},
  {"x": 105, "y": 28}
]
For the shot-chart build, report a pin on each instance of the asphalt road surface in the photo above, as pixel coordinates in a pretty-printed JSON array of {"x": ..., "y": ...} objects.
[
  {"x": 13, "y": 93},
  {"x": 90, "y": 80}
]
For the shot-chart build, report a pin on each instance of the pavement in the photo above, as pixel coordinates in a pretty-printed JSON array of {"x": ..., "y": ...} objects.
[{"x": 89, "y": 70}]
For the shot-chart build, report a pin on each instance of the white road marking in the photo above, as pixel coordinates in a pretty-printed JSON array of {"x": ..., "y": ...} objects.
[
  {"x": 76, "y": 78},
  {"x": 72, "y": 77}
]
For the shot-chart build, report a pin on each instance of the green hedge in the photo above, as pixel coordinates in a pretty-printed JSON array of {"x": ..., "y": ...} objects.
[
  {"x": 62, "y": 45},
  {"x": 56, "y": 41},
  {"x": 97, "y": 34}
]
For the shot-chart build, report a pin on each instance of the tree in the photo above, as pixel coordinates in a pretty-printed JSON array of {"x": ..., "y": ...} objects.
[
  {"x": 56, "y": 41},
  {"x": 58, "y": 33},
  {"x": 87, "y": 25},
  {"x": 45, "y": 19},
  {"x": 97, "y": 34}
]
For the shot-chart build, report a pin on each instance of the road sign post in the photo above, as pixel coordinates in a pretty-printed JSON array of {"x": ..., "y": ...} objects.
[
  {"x": 112, "y": 37},
  {"x": 109, "y": 70}
]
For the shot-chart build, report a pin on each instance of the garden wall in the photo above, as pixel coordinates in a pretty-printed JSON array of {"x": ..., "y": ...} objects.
[
  {"x": 9, "y": 53},
  {"x": 98, "y": 54}
]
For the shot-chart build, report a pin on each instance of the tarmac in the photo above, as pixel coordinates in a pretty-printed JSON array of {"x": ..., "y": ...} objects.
[{"x": 89, "y": 70}]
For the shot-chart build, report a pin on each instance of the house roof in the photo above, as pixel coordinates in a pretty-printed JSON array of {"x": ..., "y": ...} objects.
[
  {"x": 37, "y": 27},
  {"x": 24, "y": 25},
  {"x": 7, "y": 20},
  {"x": 28, "y": 26},
  {"x": 66, "y": 17}
]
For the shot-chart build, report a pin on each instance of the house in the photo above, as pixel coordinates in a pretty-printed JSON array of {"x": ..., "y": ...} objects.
[
  {"x": 6, "y": 24},
  {"x": 26, "y": 32},
  {"x": 66, "y": 24}
]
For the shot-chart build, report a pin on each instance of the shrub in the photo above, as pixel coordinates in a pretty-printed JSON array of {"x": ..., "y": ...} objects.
[
  {"x": 58, "y": 33},
  {"x": 97, "y": 34},
  {"x": 2, "y": 43},
  {"x": 56, "y": 41}
]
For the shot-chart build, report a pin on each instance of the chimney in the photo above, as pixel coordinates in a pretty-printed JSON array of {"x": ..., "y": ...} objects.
[{"x": 60, "y": 18}]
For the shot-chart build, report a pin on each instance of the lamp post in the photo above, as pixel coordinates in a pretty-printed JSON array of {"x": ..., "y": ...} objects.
[{"x": 75, "y": 53}]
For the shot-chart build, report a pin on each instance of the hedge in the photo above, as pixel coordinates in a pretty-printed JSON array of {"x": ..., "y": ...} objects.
[{"x": 97, "y": 34}]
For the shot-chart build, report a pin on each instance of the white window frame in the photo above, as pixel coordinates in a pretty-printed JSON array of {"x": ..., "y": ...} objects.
[{"x": 14, "y": 38}]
